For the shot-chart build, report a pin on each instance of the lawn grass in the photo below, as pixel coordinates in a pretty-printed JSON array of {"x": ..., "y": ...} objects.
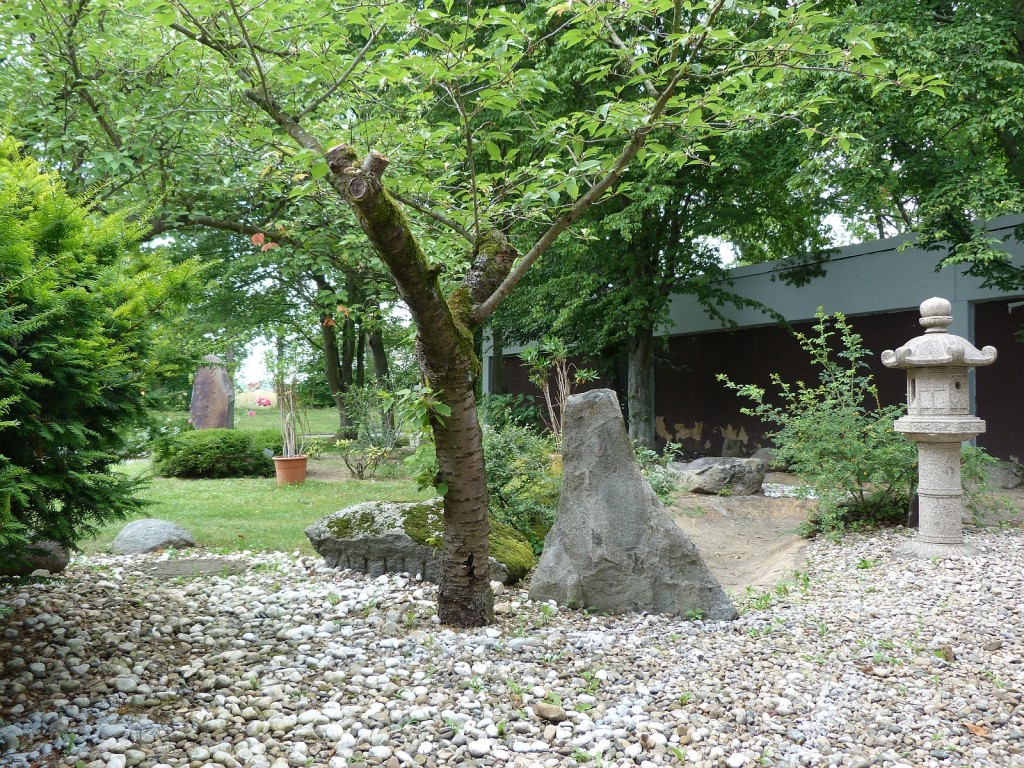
[
  {"x": 320, "y": 421},
  {"x": 251, "y": 513}
]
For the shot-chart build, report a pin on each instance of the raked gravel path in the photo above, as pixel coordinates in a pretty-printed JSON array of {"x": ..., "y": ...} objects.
[{"x": 863, "y": 660}]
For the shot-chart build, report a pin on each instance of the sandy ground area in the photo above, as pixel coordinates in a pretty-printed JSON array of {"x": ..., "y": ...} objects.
[
  {"x": 751, "y": 541},
  {"x": 746, "y": 541}
]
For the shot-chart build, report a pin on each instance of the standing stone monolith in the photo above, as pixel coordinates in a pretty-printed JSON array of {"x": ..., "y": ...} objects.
[
  {"x": 939, "y": 420},
  {"x": 213, "y": 396},
  {"x": 614, "y": 547}
]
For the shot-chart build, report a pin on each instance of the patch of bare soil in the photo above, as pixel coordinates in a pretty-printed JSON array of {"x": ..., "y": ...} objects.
[
  {"x": 751, "y": 541},
  {"x": 746, "y": 541},
  {"x": 330, "y": 468}
]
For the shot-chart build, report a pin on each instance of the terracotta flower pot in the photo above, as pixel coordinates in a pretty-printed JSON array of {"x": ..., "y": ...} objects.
[{"x": 291, "y": 470}]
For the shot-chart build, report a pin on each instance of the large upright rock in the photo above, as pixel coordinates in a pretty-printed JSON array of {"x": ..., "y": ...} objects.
[
  {"x": 213, "y": 396},
  {"x": 614, "y": 547}
]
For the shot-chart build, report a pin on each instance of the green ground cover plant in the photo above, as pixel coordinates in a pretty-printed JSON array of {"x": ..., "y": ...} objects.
[{"x": 250, "y": 513}]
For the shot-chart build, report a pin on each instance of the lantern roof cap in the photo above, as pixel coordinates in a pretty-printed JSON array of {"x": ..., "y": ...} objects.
[{"x": 937, "y": 347}]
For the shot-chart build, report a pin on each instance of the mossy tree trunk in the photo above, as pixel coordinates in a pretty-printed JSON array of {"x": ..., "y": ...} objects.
[
  {"x": 448, "y": 365},
  {"x": 444, "y": 336}
]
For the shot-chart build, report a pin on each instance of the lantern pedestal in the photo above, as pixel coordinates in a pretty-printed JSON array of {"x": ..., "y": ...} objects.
[{"x": 938, "y": 419}]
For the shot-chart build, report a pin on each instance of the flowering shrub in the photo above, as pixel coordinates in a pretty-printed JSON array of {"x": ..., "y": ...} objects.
[{"x": 263, "y": 402}]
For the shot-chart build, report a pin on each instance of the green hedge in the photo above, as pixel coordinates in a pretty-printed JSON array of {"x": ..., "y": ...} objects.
[
  {"x": 211, "y": 453},
  {"x": 269, "y": 439}
]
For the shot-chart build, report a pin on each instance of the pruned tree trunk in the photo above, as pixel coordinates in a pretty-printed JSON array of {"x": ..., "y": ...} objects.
[
  {"x": 444, "y": 347},
  {"x": 640, "y": 387}
]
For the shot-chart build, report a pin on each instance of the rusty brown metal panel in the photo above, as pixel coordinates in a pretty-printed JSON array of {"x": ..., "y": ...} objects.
[
  {"x": 698, "y": 412},
  {"x": 1000, "y": 386}
]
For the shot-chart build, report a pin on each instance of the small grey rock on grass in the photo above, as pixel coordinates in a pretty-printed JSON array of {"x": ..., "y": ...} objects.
[{"x": 150, "y": 535}]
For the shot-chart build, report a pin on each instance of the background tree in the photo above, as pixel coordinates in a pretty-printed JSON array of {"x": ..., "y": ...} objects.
[
  {"x": 433, "y": 90},
  {"x": 608, "y": 292},
  {"x": 76, "y": 304},
  {"x": 934, "y": 163}
]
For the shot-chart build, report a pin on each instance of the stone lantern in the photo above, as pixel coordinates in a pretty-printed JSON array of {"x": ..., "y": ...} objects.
[{"x": 938, "y": 419}]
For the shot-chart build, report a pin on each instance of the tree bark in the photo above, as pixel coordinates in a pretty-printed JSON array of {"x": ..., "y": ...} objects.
[
  {"x": 381, "y": 365},
  {"x": 444, "y": 346},
  {"x": 332, "y": 368},
  {"x": 640, "y": 387}
]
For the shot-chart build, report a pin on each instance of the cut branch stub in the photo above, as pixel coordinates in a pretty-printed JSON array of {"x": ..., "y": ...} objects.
[
  {"x": 375, "y": 163},
  {"x": 359, "y": 187},
  {"x": 341, "y": 157}
]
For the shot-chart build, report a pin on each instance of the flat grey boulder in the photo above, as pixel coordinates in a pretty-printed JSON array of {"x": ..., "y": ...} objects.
[
  {"x": 378, "y": 537},
  {"x": 150, "y": 535},
  {"x": 1004, "y": 474},
  {"x": 42, "y": 555},
  {"x": 614, "y": 547},
  {"x": 728, "y": 476}
]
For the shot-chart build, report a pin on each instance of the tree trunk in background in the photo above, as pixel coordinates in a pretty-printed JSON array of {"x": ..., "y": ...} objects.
[
  {"x": 640, "y": 386},
  {"x": 381, "y": 369},
  {"x": 381, "y": 366},
  {"x": 361, "y": 356},
  {"x": 332, "y": 369},
  {"x": 497, "y": 361},
  {"x": 348, "y": 348}
]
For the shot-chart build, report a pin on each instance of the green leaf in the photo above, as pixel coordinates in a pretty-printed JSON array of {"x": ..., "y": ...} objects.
[{"x": 319, "y": 169}]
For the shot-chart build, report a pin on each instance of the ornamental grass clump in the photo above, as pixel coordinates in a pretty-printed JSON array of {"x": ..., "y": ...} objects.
[{"x": 836, "y": 435}]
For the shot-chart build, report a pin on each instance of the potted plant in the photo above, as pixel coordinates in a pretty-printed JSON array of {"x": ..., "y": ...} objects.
[{"x": 290, "y": 466}]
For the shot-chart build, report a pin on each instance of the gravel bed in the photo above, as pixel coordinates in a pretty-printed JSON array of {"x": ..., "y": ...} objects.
[{"x": 861, "y": 660}]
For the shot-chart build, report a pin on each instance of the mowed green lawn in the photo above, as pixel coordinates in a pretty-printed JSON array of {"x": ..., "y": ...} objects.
[{"x": 252, "y": 513}]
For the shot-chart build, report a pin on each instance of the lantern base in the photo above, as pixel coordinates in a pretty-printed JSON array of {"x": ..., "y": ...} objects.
[{"x": 925, "y": 550}]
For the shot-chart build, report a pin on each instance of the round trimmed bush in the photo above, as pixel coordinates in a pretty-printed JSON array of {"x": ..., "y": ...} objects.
[{"x": 210, "y": 453}]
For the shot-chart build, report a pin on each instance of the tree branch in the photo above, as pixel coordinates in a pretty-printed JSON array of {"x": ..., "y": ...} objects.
[
  {"x": 440, "y": 218},
  {"x": 596, "y": 191},
  {"x": 244, "y": 32},
  {"x": 617, "y": 42},
  {"x": 341, "y": 80}
]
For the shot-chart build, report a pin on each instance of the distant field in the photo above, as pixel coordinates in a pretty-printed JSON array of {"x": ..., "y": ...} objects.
[
  {"x": 322, "y": 421},
  {"x": 255, "y": 513}
]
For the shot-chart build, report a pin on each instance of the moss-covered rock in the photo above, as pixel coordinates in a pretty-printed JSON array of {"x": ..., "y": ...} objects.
[{"x": 378, "y": 537}]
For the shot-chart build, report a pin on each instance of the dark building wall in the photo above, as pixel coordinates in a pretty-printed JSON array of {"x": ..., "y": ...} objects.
[
  {"x": 703, "y": 416},
  {"x": 698, "y": 412},
  {"x": 999, "y": 388}
]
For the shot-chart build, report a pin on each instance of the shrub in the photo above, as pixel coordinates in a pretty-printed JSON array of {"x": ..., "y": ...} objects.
[
  {"x": 77, "y": 304},
  {"x": 376, "y": 435},
  {"x": 654, "y": 468},
  {"x": 210, "y": 453},
  {"x": 523, "y": 480},
  {"x": 498, "y": 411},
  {"x": 266, "y": 439},
  {"x": 837, "y": 436}
]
